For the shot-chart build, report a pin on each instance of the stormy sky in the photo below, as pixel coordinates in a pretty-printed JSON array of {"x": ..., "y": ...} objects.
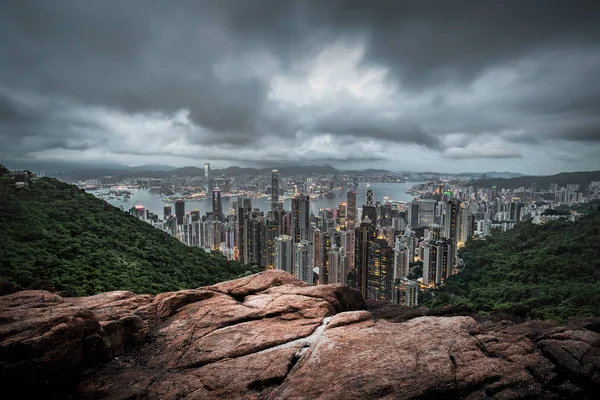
[{"x": 403, "y": 85}]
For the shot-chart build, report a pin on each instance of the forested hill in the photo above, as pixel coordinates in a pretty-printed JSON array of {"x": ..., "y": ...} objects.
[
  {"x": 554, "y": 269},
  {"x": 56, "y": 233},
  {"x": 542, "y": 182}
]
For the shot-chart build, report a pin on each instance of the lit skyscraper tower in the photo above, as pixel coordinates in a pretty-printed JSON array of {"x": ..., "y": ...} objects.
[
  {"x": 217, "y": 207},
  {"x": 274, "y": 188},
  {"x": 380, "y": 271},
  {"x": 206, "y": 171},
  {"x": 351, "y": 210},
  {"x": 300, "y": 218},
  {"x": 365, "y": 236},
  {"x": 451, "y": 223},
  {"x": 180, "y": 211},
  {"x": 370, "y": 196}
]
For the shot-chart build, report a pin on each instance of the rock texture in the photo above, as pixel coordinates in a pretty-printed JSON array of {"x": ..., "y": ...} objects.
[{"x": 270, "y": 336}]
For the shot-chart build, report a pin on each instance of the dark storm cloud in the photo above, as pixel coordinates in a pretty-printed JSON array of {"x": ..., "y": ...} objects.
[{"x": 218, "y": 60}]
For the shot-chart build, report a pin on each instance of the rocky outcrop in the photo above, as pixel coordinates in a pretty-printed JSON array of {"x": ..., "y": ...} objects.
[{"x": 270, "y": 336}]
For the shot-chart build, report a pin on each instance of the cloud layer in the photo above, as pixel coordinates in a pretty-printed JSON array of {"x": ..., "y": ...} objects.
[{"x": 404, "y": 85}]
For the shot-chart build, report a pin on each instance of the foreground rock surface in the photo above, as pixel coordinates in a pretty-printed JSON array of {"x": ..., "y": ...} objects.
[{"x": 270, "y": 336}]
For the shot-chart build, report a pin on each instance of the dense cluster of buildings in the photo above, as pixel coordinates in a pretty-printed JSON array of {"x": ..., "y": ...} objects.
[{"x": 388, "y": 251}]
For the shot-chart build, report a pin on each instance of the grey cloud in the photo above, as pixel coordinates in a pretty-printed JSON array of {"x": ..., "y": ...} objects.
[
  {"x": 217, "y": 59},
  {"x": 490, "y": 152}
]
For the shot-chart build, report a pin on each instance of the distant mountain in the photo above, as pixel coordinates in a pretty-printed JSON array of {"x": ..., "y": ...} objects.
[
  {"x": 580, "y": 178},
  {"x": 153, "y": 167},
  {"x": 186, "y": 171},
  {"x": 505, "y": 174},
  {"x": 80, "y": 172},
  {"x": 58, "y": 167}
]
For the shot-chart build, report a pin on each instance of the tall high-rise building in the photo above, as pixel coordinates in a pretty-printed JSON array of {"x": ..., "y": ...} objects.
[
  {"x": 167, "y": 211},
  {"x": 217, "y": 207},
  {"x": 274, "y": 188},
  {"x": 370, "y": 196},
  {"x": 427, "y": 212},
  {"x": 180, "y": 211},
  {"x": 365, "y": 236},
  {"x": 451, "y": 223},
  {"x": 256, "y": 240},
  {"x": 463, "y": 231},
  {"x": 303, "y": 261},
  {"x": 369, "y": 213},
  {"x": 284, "y": 247},
  {"x": 242, "y": 234},
  {"x": 206, "y": 171},
  {"x": 325, "y": 245},
  {"x": 271, "y": 232},
  {"x": 429, "y": 264},
  {"x": 351, "y": 210},
  {"x": 413, "y": 214},
  {"x": 406, "y": 293},
  {"x": 515, "y": 210},
  {"x": 300, "y": 218},
  {"x": 337, "y": 259},
  {"x": 341, "y": 215},
  {"x": 350, "y": 238},
  {"x": 380, "y": 277}
]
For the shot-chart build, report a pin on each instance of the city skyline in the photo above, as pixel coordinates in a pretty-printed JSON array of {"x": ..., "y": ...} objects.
[{"x": 433, "y": 86}]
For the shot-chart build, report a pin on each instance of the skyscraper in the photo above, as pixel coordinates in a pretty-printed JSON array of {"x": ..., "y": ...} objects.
[
  {"x": 303, "y": 261},
  {"x": 180, "y": 211},
  {"x": 451, "y": 221},
  {"x": 370, "y": 196},
  {"x": 217, "y": 207},
  {"x": 413, "y": 214},
  {"x": 380, "y": 271},
  {"x": 300, "y": 218},
  {"x": 283, "y": 253},
  {"x": 274, "y": 188},
  {"x": 350, "y": 238},
  {"x": 337, "y": 260},
  {"x": 427, "y": 212},
  {"x": 365, "y": 236},
  {"x": 167, "y": 211},
  {"x": 206, "y": 171},
  {"x": 242, "y": 233},
  {"x": 351, "y": 210},
  {"x": 271, "y": 233}
]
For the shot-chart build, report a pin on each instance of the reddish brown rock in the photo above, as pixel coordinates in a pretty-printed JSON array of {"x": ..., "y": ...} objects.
[{"x": 271, "y": 336}]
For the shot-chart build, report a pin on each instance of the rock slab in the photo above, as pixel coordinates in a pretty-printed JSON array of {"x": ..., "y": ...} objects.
[{"x": 270, "y": 336}]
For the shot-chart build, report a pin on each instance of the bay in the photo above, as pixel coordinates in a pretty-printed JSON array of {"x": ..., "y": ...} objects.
[{"x": 152, "y": 202}]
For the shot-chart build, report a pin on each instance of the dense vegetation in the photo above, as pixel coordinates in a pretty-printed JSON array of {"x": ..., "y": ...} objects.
[
  {"x": 563, "y": 179},
  {"x": 583, "y": 208},
  {"x": 57, "y": 233},
  {"x": 554, "y": 269}
]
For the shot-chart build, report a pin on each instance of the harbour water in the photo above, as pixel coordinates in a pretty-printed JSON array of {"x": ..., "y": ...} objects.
[{"x": 152, "y": 202}]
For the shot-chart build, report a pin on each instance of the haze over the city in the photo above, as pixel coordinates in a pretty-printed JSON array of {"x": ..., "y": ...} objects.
[{"x": 423, "y": 86}]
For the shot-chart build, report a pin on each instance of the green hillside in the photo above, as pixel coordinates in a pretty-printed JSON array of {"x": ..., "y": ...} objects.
[
  {"x": 553, "y": 268},
  {"x": 582, "y": 178},
  {"x": 57, "y": 233}
]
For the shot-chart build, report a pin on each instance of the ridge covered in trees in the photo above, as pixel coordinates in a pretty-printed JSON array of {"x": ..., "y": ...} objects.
[
  {"x": 54, "y": 233},
  {"x": 551, "y": 269}
]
